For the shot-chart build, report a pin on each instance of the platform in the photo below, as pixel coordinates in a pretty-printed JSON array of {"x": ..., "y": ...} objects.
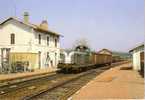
[
  {"x": 119, "y": 82},
  {"x": 4, "y": 78}
]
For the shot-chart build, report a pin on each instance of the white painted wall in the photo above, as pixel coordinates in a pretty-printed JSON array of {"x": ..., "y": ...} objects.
[
  {"x": 26, "y": 40},
  {"x": 136, "y": 59},
  {"x": 24, "y": 36}
]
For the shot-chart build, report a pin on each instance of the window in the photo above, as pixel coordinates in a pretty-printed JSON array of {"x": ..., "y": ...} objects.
[
  {"x": 12, "y": 38},
  {"x": 47, "y": 40},
  {"x": 39, "y": 37},
  {"x": 55, "y": 42}
]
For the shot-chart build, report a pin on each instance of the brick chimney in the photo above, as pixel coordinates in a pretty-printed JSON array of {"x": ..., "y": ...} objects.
[
  {"x": 26, "y": 17},
  {"x": 44, "y": 25}
]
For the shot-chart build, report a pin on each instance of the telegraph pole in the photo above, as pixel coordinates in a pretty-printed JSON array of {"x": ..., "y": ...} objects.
[{"x": 15, "y": 8}]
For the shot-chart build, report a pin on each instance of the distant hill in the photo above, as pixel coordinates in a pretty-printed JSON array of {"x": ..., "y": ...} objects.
[{"x": 121, "y": 54}]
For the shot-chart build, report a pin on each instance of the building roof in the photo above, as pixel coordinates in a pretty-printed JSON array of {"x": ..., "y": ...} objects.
[
  {"x": 106, "y": 51},
  {"x": 138, "y": 46},
  {"x": 35, "y": 27}
]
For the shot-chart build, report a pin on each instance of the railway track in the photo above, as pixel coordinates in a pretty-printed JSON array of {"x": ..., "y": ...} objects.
[
  {"x": 64, "y": 90},
  {"x": 28, "y": 89},
  {"x": 19, "y": 91},
  {"x": 11, "y": 86},
  {"x": 50, "y": 85}
]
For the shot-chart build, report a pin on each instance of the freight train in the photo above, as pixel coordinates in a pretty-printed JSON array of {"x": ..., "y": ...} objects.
[{"x": 82, "y": 59}]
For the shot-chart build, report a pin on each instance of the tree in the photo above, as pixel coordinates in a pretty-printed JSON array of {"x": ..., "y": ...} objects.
[{"x": 81, "y": 41}]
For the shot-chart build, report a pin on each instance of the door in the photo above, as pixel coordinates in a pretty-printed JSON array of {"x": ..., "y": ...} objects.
[
  {"x": 47, "y": 60},
  {"x": 55, "y": 59},
  {"x": 142, "y": 63},
  {"x": 39, "y": 59}
]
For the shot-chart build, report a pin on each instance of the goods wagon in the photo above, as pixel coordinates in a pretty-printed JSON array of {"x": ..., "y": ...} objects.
[{"x": 98, "y": 59}]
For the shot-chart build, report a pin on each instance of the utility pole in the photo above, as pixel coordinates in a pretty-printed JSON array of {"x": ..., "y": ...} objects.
[{"x": 15, "y": 8}]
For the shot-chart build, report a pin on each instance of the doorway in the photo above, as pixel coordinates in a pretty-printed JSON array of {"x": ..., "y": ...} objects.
[
  {"x": 39, "y": 59},
  {"x": 142, "y": 63},
  {"x": 55, "y": 59}
]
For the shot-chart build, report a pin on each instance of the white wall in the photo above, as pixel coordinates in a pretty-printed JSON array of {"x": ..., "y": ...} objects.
[
  {"x": 136, "y": 59},
  {"x": 51, "y": 51},
  {"x": 23, "y": 36},
  {"x": 26, "y": 40},
  {"x": 44, "y": 48}
]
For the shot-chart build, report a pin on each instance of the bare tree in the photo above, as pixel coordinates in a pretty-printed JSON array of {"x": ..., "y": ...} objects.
[{"x": 81, "y": 41}]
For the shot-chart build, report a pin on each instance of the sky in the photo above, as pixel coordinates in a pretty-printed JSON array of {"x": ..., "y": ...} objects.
[{"x": 117, "y": 25}]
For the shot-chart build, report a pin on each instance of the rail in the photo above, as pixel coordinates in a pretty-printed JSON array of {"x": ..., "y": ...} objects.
[{"x": 32, "y": 88}]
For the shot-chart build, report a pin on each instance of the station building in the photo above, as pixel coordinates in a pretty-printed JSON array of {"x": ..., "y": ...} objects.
[
  {"x": 26, "y": 42},
  {"x": 138, "y": 57}
]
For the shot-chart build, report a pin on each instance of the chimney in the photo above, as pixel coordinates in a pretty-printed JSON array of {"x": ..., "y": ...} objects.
[
  {"x": 26, "y": 17},
  {"x": 44, "y": 25}
]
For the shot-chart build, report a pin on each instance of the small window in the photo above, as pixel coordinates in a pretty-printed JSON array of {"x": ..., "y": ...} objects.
[
  {"x": 47, "y": 40},
  {"x": 55, "y": 42},
  {"x": 39, "y": 37},
  {"x": 12, "y": 38}
]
